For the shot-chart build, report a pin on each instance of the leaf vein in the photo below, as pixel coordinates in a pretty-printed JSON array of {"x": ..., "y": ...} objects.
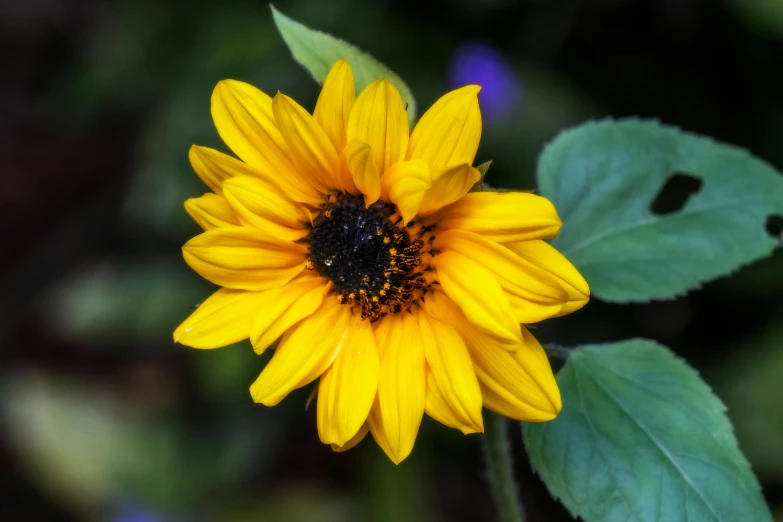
[
  {"x": 597, "y": 446},
  {"x": 654, "y": 220},
  {"x": 660, "y": 447}
]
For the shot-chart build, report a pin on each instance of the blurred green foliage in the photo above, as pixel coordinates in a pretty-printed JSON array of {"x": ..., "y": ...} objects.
[
  {"x": 750, "y": 387},
  {"x": 767, "y": 15},
  {"x": 109, "y": 305}
]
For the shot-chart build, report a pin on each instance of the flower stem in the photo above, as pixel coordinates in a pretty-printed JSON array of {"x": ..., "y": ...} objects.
[{"x": 500, "y": 467}]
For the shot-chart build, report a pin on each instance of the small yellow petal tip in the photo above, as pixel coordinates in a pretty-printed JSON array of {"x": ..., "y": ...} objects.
[
  {"x": 396, "y": 459},
  {"x": 384, "y": 84},
  {"x": 339, "y": 65},
  {"x": 255, "y": 393},
  {"x": 466, "y": 91},
  {"x": 279, "y": 97},
  {"x": 556, "y": 403},
  {"x": 369, "y": 200},
  {"x": 226, "y": 85}
]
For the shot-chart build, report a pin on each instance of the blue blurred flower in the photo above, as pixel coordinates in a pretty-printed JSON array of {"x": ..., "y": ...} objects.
[
  {"x": 136, "y": 513},
  {"x": 484, "y": 65},
  {"x": 133, "y": 511}
]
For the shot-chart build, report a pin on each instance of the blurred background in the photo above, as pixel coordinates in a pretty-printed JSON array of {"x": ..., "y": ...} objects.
[{"x": 105, "y": 419}]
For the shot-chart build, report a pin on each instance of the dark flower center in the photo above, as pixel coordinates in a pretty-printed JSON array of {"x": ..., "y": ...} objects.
[{"x": 371, "y": 257}]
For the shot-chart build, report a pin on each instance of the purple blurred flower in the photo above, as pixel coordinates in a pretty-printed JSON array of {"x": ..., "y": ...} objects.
[{"x": 484, "y": 65}]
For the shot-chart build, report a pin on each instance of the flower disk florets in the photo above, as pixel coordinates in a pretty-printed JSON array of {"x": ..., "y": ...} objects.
[{"x": 369, "y": 255}]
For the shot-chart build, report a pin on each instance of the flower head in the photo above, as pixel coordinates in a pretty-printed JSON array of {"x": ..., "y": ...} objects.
[{"x": 357, "y": 250}]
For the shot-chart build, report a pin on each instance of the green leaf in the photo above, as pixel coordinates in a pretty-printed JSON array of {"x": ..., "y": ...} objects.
[
  {"x": 317, "y": 51},
  {"x": 603, "y": 178},
  {"x": 641, "y": 437}
]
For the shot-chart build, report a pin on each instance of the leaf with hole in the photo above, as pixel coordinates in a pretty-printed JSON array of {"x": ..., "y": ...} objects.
[
  {"x": 317, "y": 51},
  {"x": 642, "y": 438},
  {"x": 651, "y": 212}
]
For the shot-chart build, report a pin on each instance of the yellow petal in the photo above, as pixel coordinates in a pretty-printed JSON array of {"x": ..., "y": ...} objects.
[
  {"x": 439, "y": 409},
  {"x": 345, "y": 178},
  {"x": 547, "y": 258},
  {"x": 262, "y": 205},
  {"x": 356, "y": 439},
  {"x": 244, "y": 258},
  {"x": 375, "y": 424},
  {"x": 503, "y": 217},
  {"x": 478, "y": 294},
  {"x": 405, "y": 184},
  {"x": 245, "y": 121},
  {"x": 311, "y": 150},
  {"x": 223, "y": 319},
  {"x": 214, "y": 167},
  {"x": 402, "y": 385},
  {"x": 378, "y": 118},
  {"x": 347, "y": 389},
  {"x": 449, "y": 132},
  {"x": 441, "y": 306},
  {"x": 516, "y": 382},
  {"x": 452, "y": 381},
  {"x": 533, "y": 293},
  {"x": 448, "y": 185},
  {"x": 335, "y": 103},
  {"x": 304, "y": 353},
  {"x": 361, "y": 165},
  {"x": 285, "y": 306},
  {"x": 518, "y": 385},
  {"x": 211, "y": 211}
]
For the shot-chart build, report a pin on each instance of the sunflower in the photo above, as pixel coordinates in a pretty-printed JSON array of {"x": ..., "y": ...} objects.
[{"x": 359, "y": 252}]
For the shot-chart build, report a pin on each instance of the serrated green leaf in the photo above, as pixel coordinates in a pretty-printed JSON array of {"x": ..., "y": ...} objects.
[
  {"x": 317, "y": 51},
  {"x": 603, "y": 177},
  {"x": 641, "y": 437}
]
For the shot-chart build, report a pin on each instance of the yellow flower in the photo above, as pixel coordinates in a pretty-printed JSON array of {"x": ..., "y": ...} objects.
[{"x": 357, "y": 250}]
